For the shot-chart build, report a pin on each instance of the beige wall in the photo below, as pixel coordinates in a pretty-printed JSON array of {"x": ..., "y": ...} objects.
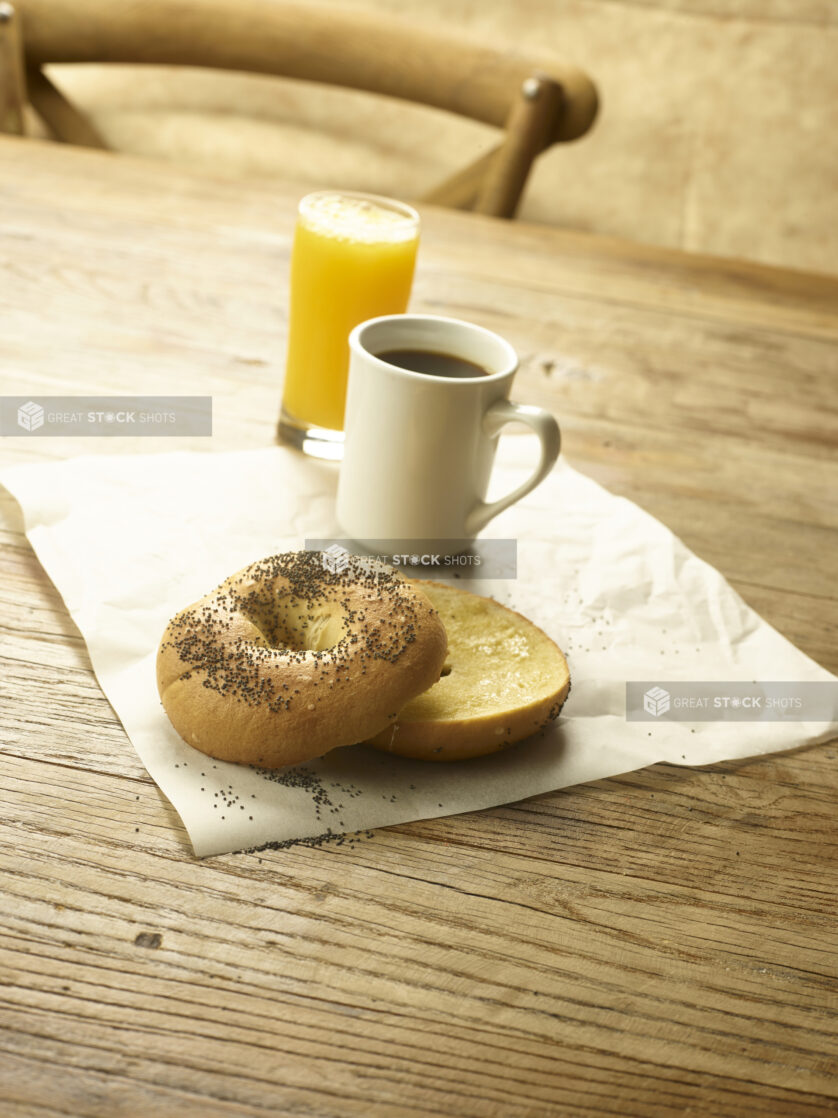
[{"x": 717, "y": 131}]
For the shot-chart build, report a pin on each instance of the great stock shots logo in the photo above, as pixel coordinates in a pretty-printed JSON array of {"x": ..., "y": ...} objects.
[
  {"x": 30, "y": 416},
  {"x": 335, "y": 559},
  {"x": 466, "y": 559},
  {"x": 104, "y": 416},
  {"x": 656, "y": 701},
  {"x": 732, "y": 701}
]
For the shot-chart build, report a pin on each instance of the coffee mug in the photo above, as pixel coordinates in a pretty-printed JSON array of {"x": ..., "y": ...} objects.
[{"x": 426, "y": 401}]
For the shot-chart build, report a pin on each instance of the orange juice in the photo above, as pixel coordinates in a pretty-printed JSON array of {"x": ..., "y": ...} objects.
[{"x": 353, "y": 259}]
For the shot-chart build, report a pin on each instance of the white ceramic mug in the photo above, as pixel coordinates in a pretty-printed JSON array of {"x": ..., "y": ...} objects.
[{"x": 419, "y": 448}]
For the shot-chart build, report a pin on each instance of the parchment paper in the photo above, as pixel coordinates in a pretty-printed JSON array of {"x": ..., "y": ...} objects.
[{"x": 130, "y": 540}]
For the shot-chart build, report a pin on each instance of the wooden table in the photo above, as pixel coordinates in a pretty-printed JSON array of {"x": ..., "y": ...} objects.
[{"x": 664, "y": 943}]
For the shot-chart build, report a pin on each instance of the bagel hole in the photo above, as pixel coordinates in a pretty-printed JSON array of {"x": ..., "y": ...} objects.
[
  {"x": 295, "y": 626},
  {"x": 323, "y": 631},
  {"x": 446, "y": 670},
  {"x": 273, "y": 629}
]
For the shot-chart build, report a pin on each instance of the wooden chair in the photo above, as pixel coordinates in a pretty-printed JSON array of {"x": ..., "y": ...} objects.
[
  {"x": 536, "y": 104},
  {"x": 12, "y": 81}
]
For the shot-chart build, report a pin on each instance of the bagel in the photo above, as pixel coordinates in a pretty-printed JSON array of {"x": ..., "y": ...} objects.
[
  {"x": 503, "y": 680},
  {"x": 287, "y": 660}
]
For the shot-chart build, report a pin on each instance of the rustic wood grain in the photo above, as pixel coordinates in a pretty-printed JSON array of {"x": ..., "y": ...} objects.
[{"x": 662, "y": 943}]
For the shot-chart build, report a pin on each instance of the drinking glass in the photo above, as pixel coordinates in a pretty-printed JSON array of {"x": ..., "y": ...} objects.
[{"x": 353, "y": 259}]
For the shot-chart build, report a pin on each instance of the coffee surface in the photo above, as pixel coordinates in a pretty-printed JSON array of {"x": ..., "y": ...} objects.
[{"x": 433, "y": 363}]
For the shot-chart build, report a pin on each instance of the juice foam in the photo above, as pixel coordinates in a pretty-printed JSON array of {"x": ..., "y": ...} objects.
[{"x": 356, "y": 217}]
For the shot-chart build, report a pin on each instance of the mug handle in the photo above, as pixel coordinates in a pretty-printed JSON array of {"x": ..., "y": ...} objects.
[{"x": 545, "y": 426}]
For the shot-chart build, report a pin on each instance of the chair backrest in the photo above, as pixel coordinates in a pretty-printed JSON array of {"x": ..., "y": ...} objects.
[{"x": 536, "y": 102}]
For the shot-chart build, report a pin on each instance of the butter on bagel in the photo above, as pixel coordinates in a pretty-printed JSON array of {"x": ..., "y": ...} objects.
[
  {"x": 503, "y": 680},
  {"x": 287, "y": 660}
]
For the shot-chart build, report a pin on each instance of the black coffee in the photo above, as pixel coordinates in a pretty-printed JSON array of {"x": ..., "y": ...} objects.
[{"x": 432, "y": 363}]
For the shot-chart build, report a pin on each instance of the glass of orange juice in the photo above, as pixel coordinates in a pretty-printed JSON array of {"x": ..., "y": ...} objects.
[{"x": 353, "y": 259}]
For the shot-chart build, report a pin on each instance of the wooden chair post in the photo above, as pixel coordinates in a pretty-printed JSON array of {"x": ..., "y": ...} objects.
[
  {"x": 12, "y": 80},
  {"x": 532, "y": 120},
  {"x": 65, "y": 122},
  {"x": 459, "y": 191}
]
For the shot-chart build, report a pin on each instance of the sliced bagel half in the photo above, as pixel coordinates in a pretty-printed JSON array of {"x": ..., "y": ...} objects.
[{"x": 503, "y": 679}]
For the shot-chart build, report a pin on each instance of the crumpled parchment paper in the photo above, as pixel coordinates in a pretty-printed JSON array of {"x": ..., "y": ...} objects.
[{"x": 130, "y": 540}]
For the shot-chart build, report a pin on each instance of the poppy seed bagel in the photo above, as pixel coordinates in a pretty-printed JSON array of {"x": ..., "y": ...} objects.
[{"x": 287, "y": 660}]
